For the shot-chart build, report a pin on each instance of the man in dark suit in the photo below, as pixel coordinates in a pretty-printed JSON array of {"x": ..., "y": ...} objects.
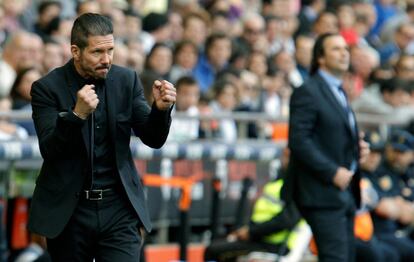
[
  {"x": 325, "y": 151},
  {"x": 89, "y": 201}
]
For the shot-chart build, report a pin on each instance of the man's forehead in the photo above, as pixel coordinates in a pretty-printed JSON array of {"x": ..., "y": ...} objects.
[
  {"x": 100, "y": 40},
  {"x": 335, "y": 40}
]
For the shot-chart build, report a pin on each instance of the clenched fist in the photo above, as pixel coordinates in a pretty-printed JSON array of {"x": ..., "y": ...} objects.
[
  {"x": 164, "y": 94},
  {"x": 86, "y": 102}
]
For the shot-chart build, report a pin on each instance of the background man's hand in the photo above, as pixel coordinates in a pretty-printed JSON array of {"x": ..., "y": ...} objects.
[
  {"x": 363, "y": 148},
  {"x": 342, "y": 178},
  {"x": 86, "y": 102},
  {"x": 164, "y": 94},
  {"x": 240, "y": 234}
]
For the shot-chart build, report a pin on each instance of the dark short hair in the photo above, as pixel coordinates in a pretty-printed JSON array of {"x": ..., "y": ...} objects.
[
  {"x": 395, "y": 84},
  {"x": 319, "y": 51},
  {"x": 185, "y": 81},
  {"x": 89, "y": 24},
  {"x": 213, "y": 38},
  {"x": 45, "y": 4}
]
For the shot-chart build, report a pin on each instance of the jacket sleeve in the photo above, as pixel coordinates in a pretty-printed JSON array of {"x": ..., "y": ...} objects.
[
  {"x": 58, "y": 132},
  {"x": 285, "y": 220},
  {"x": 149, "y": 124},
  {"x": 302, "y": 126}
]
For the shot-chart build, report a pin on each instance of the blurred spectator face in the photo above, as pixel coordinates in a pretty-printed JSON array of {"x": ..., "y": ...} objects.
[
  {"x": 176, "y": 26},
  {"x": 132, "y": 26},
  {"x": 404, "y": 36},
  {"x": 25, "y": 85},
  {"x": 275, "y": 83},
  {"x": 187, "y": 96},
  {"x": 253, "y": 30},
  {"x": 136, "y": 57},
  {"x": 258, "y": 63},
  {"x": 89, "y": 7},
  {"x": 291, "y": 25},
  {"x": 327, "y": 23},
  {"x": 18, "y": 51},
  {"x": 187, "y": 56},
  {"x": 118, "y": 20},
  {"x": 405, "y": 67},
  {"x": 248, "y": 88},
  {"x": 50, "y": 12},
  {"x": 220, "y": 24},
  {"x": 195, "y": 29},
  {"x": 346, "y": 16},
  {"x": 274, "y": 27},
  {"x": 283, "y": 8},
  {"x": 399, "y": 160},
  {"x": 372, "y": 161},
  {"x": 397, "y": 98},
  {"x": 65, "y": 28},
  {"x": 121, "y": 54},
  {"x": 367, "y": 12},
  {"x": 220, "y": 6},
  {"x": 227, "y": 98},
  {"x": 285, "y": 62},
  {"x": 363, "y": 62},
  {"x": 303, "y": 53},
  {"x": 219, "y": 52},
  {"x": 14, "y": 7},
  {"x": 160, "y": 60},
  {"x": 36, "y": 50},
  {"x": 52, "y": 57}
]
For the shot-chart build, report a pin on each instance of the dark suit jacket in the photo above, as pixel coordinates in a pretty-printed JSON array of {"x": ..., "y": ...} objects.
[
  {"x": 64, "y": 143},
  {"x": 320, "y": 139}
]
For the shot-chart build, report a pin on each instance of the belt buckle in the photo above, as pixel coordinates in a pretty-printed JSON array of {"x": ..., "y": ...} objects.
[{"x": 90, "y": 194}]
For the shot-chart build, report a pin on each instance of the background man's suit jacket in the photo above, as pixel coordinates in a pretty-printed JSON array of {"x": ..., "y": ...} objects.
[
  {"x": 321, "y": 139},
  {"x": 64, "y": 143}
]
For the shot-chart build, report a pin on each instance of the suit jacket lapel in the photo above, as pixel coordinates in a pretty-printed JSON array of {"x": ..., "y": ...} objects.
[
  {"x": 73, "y": 89},
  {"x": 326, "y": 91}
]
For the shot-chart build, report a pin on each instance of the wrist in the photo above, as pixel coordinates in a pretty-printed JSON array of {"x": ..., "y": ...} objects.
[{"x": 78, "y": 115}]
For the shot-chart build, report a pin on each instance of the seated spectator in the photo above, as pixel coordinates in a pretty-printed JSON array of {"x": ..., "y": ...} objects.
[
  {"x": 20, "y": 95},
  {"x": 225, "y": 100},
  {"x": 188, "y": 94},
  {"x": 392, "y": 209},
  {"x": 20, "y": 92},
  {"x": 9, "y": 130},
  {"x": 185, "y": 59},
  {"x": 159, "y": 60},
  {"x": 391, "y": 99},
  {"x": 215, "y": 59}
]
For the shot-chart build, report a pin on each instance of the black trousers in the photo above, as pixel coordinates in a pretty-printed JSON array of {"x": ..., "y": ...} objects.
[
  {"x": 333, "y": 229},
  {"x": 106, "y": 230}
]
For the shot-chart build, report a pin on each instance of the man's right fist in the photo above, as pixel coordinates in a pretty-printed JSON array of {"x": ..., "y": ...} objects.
[{"x": 86, "y": 102}]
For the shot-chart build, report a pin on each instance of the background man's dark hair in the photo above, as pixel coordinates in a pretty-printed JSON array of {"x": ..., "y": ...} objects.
[
  {"x": 185, "y": 81},
  {"x": 319, "y": 51},
  {"x": 89, "y": 25}
]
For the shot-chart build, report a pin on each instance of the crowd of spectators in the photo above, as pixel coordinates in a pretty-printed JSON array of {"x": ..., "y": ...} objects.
[
  {"x": 242, "y": 55},
  {"x": 223, "y": 56}
]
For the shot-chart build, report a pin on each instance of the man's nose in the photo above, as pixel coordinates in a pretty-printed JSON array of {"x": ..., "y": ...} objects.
[{"x": 105, "y": 59}]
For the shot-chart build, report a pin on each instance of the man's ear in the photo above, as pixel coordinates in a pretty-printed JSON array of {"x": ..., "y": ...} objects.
[
  {"x": 321, "y": 60},
  {"x": 76, "y": 52}
]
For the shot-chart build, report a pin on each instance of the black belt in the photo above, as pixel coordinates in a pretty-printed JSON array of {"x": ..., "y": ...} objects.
[{"x": 96, "y": 194}]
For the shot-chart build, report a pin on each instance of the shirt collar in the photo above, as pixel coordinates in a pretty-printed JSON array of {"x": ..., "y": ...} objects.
[{"x": 330, "y": 79}]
